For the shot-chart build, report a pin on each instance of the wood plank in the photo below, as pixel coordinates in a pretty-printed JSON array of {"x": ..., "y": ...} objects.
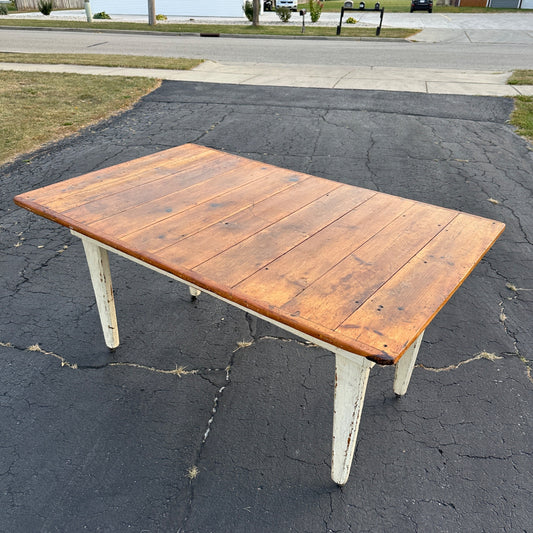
[
  {"x": 335, "y": 296},
  {"x": 228, "y": 232},
  {"x": 403, "y": 307},
  {"x": 241, "y": 261},
  {"x": 115, "y": 198},
  {"x": 121, "y": 172},
  {"x": 144, "y": 177},
  {"x": 291, "y": 273},
  {"x": 160, "y": 209},
  {"x": 171, "y": 230}
]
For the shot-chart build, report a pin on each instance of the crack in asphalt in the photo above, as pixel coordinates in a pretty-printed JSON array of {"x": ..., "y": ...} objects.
[
  {"x": 255, "y": 109},
  {"x": 503, "y": 319},
  {"x": 481, "y": 355}
]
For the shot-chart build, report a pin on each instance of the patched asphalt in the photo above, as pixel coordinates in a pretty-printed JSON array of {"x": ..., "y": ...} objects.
[{"x": 99, "y": 441}]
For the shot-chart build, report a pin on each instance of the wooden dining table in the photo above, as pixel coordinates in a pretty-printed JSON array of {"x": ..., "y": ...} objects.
[{"x": 356, "y": 271}]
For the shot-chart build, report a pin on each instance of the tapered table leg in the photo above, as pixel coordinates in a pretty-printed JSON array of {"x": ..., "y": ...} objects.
[
  {"x": 98, "y": 262},
  {"x": 404, "y": 367},
  {"x": 194, "y": 292},
  {"x": 351, "y": 377}
]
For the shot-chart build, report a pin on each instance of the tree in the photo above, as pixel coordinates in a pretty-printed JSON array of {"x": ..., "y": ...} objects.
[{"x": 257, "y": 8}]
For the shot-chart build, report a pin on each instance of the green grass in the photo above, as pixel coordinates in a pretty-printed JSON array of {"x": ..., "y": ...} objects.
[
  {"x": 521, "y": 77},
  {"x": 404, "y": 6},
  {"x": 244, "y": 29},
  {"x": 36, "y": 108},
  {"x": 102, "y": 60},
  {"x": 391, "y": 6},
  {"x": 522, "y": 116}
]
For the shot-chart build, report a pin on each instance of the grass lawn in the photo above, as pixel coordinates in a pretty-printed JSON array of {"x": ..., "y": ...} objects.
[
  {"x": 521, "y": 77},
  {"x": 104, "y": 60},
  {"x": 404, "y": 6},
  {"x": 522, "y": 116},
  {"x": 242, "y": 29},
  {"x": 391, "y": 6},
  {"x": 36, "y": 108}
]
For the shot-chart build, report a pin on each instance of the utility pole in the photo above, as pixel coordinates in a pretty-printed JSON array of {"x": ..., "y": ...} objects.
[
  {"x": 151, "y": 12},
  {"x": 88, "y": 12}
]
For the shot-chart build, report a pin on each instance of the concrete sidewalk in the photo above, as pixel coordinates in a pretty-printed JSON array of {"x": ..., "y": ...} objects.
[
  {"x": 418, "y": 80},
  {"x": 437, "y": 27}
]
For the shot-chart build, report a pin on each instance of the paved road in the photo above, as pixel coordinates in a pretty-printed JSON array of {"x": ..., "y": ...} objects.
[
  {"x": 92, "y": 441},
  {"x": 313, "y": 52}
]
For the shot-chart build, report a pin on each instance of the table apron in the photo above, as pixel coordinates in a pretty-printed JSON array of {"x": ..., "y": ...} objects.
[{"x": 197, "y": 290}]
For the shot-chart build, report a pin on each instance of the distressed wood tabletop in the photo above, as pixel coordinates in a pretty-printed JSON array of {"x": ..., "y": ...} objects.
[{"x": 358, "y": 269}]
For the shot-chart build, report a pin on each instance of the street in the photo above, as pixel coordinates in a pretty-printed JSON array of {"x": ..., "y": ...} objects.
[{"x": 453, "y": 55}]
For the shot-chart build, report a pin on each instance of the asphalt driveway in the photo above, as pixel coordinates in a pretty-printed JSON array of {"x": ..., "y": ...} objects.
[{"x": 208, "y": 420}]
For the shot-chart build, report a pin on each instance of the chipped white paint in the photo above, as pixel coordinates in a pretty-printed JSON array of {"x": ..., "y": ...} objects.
[
  {"x": 98, "y": 262},
  {"x": 305, "y": 336},
  {"x": 351, "y": 377},
  {"x": 404, "y": 367}
]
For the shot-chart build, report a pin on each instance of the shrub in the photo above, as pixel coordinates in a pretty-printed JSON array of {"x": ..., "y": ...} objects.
[
  {"x": 248, "y": 8},
  {"x": 284, "y": 13},
  {"x": 45, "y": 6},
  {"x": 315, "y": 9},
  {"x": 351, "y": 20},
  {"x": 101, "y": 15},
  {"x": 161, "y": 17},
  {"x": 3, "y": 9}
]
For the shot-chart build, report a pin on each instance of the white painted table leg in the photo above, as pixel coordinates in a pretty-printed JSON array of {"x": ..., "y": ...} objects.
[
  {"x": 404, "y": 367},
  {"x": 351, "y": 377},
  {"x": 194, "y": 292},
  {"x": 98, "y": 262}
]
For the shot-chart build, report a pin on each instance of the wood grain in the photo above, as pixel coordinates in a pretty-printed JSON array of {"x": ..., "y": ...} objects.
[
  {"x": 403, "y": 306},
  {"x": 237, "y": 263},
  {"x": 362, "y": 270},
  {"x": 293, "y": 272},
  {"x": 353, "y": 280}
]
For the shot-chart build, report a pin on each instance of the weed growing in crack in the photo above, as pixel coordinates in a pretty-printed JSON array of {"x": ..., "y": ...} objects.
[
  {"x": 514, "y": 288},
  {"x": 481, "y": 355},
  {"x": 64, "y": 362},
  {"x": 243, "y": 344},
  {"x": 192, "y": 472},
  {"x": 179, "y": 371}
]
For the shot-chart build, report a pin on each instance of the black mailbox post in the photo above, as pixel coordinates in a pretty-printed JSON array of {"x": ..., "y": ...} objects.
[{"x": 348, "y": 6}]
